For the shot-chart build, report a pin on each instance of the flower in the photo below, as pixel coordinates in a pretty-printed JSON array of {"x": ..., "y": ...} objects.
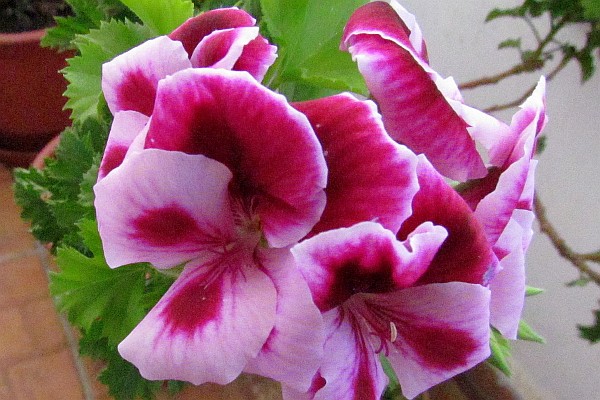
[
  {"x": 377, "y": 249},
  {"x": 503, "y": 202},
  {"x": 223, "y": 38},
  {"x": 420, "y": 109},
  {"x": 229, "y": 176}
]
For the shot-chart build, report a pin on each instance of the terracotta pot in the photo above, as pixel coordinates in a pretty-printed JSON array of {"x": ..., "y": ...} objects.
[{"x": 31, "y": 101}]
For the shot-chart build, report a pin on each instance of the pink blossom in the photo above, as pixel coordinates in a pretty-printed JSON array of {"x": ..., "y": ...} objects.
[
  {"x": 224, "y": 177},
  {"x": 222, "y": 38},
  {"x": 396, "y": 253},
  {"x": 503, "y": 202},
  {"x": 420, "y": 108}
]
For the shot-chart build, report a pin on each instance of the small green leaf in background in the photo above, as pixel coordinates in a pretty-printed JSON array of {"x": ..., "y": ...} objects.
[
  {"x": 308, "y": 33},
  {"x": 591, "y": 332},
  {"x": 527, "y": 333},
  {"x": 532, "y": 291},
  {"x": 84, "y": 71},
  {"x": 162, "y": 16},
  {"x": 500, "y": 347},
  {"x": 510, "y": 43}
]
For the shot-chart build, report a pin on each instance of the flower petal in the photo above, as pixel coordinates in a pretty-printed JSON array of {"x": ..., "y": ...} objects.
[
  {"x": 466, "y": 255},
  {"x": 129, "y": 81},
  {"x": 205, "y": 328},
  {"x": 508, "y": 285},
  {"x": 191, "y": 32},
  {"x": 221, "y": 49},
  {"x": 157, "y": 208},
  {"x": 294, "y": 349},
  {"x": 365, "y": 258},
  {"x": 371, "y": 178},
  {"x": 126, "y": 126},
  {"x": 442, "y": 330},
  {"x": 240, "y": 49},
  {"x": 351, "y": 369},
  {"x": 415, "y": 111},
  {"x": 257, "y": 57},
  {"x": 279, "y": 172}
]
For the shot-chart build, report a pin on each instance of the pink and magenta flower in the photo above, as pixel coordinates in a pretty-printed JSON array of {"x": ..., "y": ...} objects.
[
  {"x": 312, "y": 238},
  {"x": 227, "y": 176}
]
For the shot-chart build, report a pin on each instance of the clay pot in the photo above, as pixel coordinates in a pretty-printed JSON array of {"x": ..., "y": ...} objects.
[{"x": 31, "y": 101}]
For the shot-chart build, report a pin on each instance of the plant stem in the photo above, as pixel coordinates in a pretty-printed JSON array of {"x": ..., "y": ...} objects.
[
  {"x": 499, "y": 107},
  {"x": 530, "y": 64},
  {"x": 559, "y": 243}
]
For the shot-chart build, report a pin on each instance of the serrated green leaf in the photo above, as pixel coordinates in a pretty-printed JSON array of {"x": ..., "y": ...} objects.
[
  {"x": 84, "y": 71},
  {"x": 527, "y": 333},
  {"x": 162, "y": 16},
  {"x": 533, "y": 291},
  {"x": 87, "y": 289},
  {"x": 32, "y": 192},
  {"x": 125, "y": 382},
  {"x": 310, "y": 46},
  {"x": 500, "y": 347}
]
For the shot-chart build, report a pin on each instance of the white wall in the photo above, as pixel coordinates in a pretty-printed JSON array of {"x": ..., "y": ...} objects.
[{"x": 461, "y": 45}]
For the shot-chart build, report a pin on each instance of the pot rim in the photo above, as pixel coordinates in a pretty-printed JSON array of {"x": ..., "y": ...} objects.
[{"x": 22, "y": 37}]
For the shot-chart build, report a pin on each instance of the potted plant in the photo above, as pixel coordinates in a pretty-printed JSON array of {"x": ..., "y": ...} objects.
[
  {"x": 287, "y": 191},
  {"x": 31, "y": 84}
]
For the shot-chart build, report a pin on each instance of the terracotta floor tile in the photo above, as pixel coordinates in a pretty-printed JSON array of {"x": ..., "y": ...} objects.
[
  {"x": 23, "y": 280},
  {"x": 44, "y": 326},
  {"x": 5, "y": 392},
  {"x": 15, "y": 341},
  {"x": 52, "y": 377}
]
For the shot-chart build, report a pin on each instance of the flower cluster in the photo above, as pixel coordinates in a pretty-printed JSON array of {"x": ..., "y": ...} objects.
[{"x": 313, "y": 237}]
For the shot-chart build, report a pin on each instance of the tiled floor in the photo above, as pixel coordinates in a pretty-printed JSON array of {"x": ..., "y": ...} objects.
[{"x": 37, "y": 348}]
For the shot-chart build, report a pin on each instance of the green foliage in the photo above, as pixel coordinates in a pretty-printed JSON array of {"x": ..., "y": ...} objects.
[
  {"x": 87, "y": 289},
  {"x": 527, "y": 333},
  {"x": 532, "y": 291},
  {"x": 309, "y": 47},
  {"x": 162, "y": 17},
  {"x": 561, "y": 13},
  {"x": 122, "y": 378},
  {"x": 56, "y": 198},
  {"x": 591, "y": 332},
  {"x": 500, "y": 347},
  {"x": 84, "y": 72},
  {"x": 88, "y": 14}
]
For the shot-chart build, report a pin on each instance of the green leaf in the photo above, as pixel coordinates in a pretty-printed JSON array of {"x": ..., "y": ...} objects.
[
  {"x": 508, "y": 43},
  {"x": 533, "y": 291},
  {"x": 527, "y": 333},
  {"x": 591, "y": 332},
  {"x": 591, "y": 9},
  {"x": 308, "y": 33},
  {"x": 122, "y": 378},
  {"x": 84, "y": 71},
  {"x": 88, "y": 290},
  {"x": 162, "y": 16},
  {"x": 586, "y": 64},
  {"x": 32, "y": 192},
  {"x": 500, "y": 347},
  {"x": 580, "y": 282},
  {"x": 393, "y": 390}
]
